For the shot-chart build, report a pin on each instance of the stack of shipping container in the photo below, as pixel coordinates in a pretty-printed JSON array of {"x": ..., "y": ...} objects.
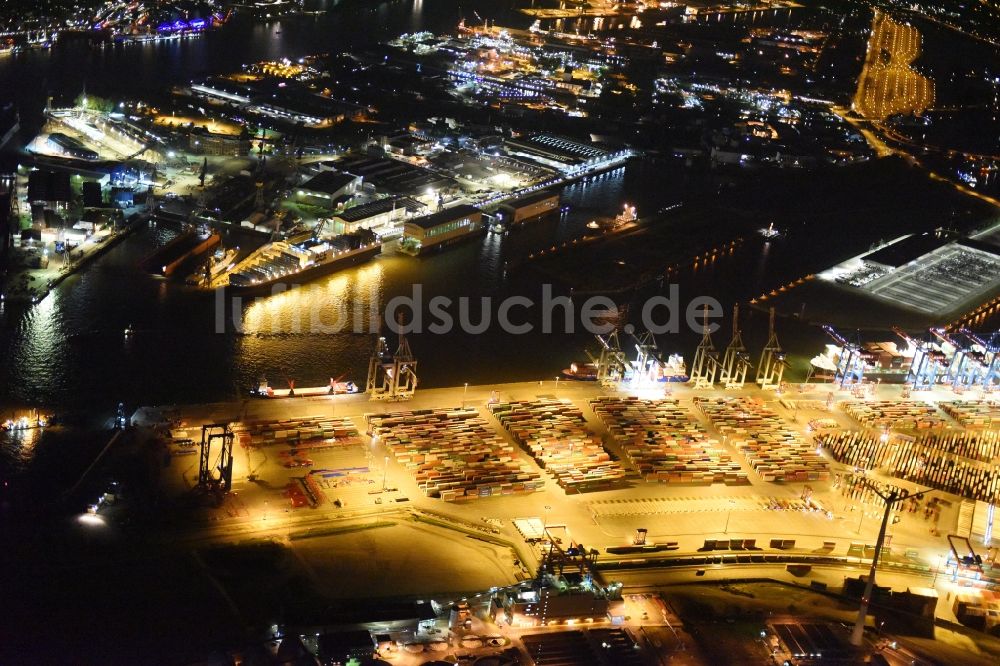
[
  {"x": 453, "y": 454},
  {"x": 772, "y": 450},
  {"x": 555, "y": 434},
  {"x": 666, "y": 443}
]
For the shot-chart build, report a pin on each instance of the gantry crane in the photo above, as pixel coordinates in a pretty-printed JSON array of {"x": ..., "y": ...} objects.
[
  {"x": 852, "y": 360},
  {"x": 610, "y": 361},
  {"x": 990, "y": 350},
  {"x": 224, "y": 466},
  {"x": 966, "y": 366},
  {"x": 706, "y": 359},
  {"x": 928, "y": 365},
  {"x": 392, "y": 377},
  {"x": 772, "y": 364},
  {"x": 736, "y": 360},
  {"x": 647, "y": 367}
]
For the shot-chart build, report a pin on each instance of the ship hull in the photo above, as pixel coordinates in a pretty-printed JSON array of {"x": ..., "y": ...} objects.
[{"x": 311, "y": 273}]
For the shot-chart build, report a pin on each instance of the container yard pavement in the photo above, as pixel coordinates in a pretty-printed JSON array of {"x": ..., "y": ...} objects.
[{"x": 355, "y": 473}]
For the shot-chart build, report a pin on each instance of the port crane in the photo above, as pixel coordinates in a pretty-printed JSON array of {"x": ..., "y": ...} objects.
[
  {"x": 990, "y": 357},
  {"x": 929, "y": 362},
  {"x": 852, "y": 361},
  {"x": 392, "y": 376},
  {"x": 610, "y": 362},
  {"x": 207, "y": 477},
  {"x": 735, "y": 360},
  {"x": 965, "y": 368},
  {"x": 647, "y": 366},
  {"x": 706, "y": 363},
  {"x": 771, "y": 367}
]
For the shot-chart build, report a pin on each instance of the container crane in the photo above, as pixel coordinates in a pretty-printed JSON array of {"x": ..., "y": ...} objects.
[
  {"x": 706, "y": 359},
  {"x": 851, "y": 362},
  {"x": 736, "y": 360},
  {"x": 772, "y": 364},
  {"x": 392, "y": 377},
  {"x": 965, "y": 369},
  {"x": 928, "y": 364},
  {"x": 990, "y": 350},
  {"x": 207, "y": 477},
  {"x": 647, "y": 366},
  {"x": 610, "y": 362}
]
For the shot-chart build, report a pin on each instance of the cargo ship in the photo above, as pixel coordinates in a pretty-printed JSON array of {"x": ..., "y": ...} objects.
[
  {"x": 674, "y": 370},
  {"x": 581, "y": 372},
  {"x": 335, "y": 387},
  {"x": 222, "y": 260},
  {"x": 300, "y": 259},
  {"x": 883, "y": 360}
]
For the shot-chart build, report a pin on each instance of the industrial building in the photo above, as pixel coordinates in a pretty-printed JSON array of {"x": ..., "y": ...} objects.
[
  {"x": 49, "y": 188},
  {"x": 326, "y": 187},
  {"x": 383, "y": 216},
  {"x": 559, "y": 152},
  {"x": 422, "y": 234},
  {"x": 930, "y": 273},
  {"x": 565, "y": 598},
  {"x": 221, "y": 90},
  {"x": 395, "y": 177},
  {"x": 531, "y": 206},
  {"x": 71, "y": 147},
  {"x": 203, "y": 142}
]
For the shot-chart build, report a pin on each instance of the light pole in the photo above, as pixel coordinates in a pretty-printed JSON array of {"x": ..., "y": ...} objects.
[
  {"x": 465, "y": 392},
  {"x": 545, "y": 520},
  {"x": 937, "y": 569},
  {"x": 385, "y": 471},
  {"x": 728, "y": 516},
  {"x": 890, "y": 499}
]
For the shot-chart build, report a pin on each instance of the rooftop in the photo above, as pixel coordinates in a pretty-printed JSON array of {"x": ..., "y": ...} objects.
[
  {"x": 443, "y": 216},
  {"x": 533, "y": 198},
  {"x": 329, "y": 182},
  {"x": 373, "y": 208}
]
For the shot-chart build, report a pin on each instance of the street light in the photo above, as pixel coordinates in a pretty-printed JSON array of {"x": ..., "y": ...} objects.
[
  {"x": 890, "y": 499},
  {"x": 385, "y": 471},
  {"x": 465, "y": 392},
  {"x": 729, "y": 514}
]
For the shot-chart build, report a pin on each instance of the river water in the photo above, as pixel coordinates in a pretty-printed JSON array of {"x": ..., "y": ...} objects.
[{"x": 69, "y": 351}]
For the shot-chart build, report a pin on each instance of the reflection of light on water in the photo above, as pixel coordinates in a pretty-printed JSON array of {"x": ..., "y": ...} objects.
[
  {"x": 328, "y": 306},
  {"x": 91, "y": 520},
  {"x": 21, "y": 443},
  {"x": 490, "y": 260},
  {"x": 40, "y": 342}
]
